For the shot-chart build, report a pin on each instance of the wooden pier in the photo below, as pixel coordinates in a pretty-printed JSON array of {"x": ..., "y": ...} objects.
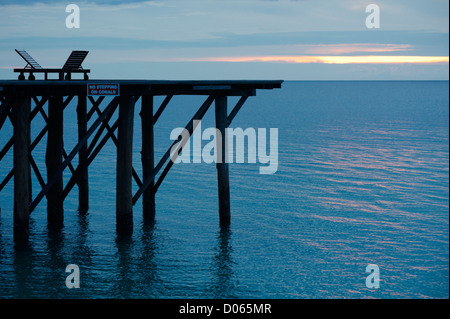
[{"x": 17, "y": 98}]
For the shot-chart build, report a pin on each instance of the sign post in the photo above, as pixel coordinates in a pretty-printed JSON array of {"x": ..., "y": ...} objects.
[{"x": 103, "y": 89}]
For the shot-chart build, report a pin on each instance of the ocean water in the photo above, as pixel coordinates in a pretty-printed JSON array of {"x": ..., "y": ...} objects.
[{"x": 363, "y": 178}]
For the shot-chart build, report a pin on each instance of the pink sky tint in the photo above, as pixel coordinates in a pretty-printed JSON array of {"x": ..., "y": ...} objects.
[
  {"x": 345, "y": 48},
  {"x": 369, "y": 59}
]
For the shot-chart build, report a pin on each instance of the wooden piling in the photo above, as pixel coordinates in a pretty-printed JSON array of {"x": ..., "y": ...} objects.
[
  {"x": 21, "y": 116},
  {"x": 53, "y": 160},
  {"x": 222, "y": 165},
  {"x": 30, "y": 184},
  {"x": 124, "y": 196},
  {"x": 83, "y": 179},
  {"x": 148, "y": 158}
]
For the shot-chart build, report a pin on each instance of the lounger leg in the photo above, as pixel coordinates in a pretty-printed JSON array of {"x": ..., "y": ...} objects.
[
  {"x": 21, "y": 76},
  {"x": 31, "y": 76}
]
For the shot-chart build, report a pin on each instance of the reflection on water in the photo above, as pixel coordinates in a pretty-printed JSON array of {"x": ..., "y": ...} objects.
[
  {"x": 360, "y": 181},
  {"x": 57, "y": 260},
  {"x": 123, "y": 284},
  {"x": 23, "y": 271},
  {"x": 223, "y": 283},
  {"x": 133, "y": 271},
  {"x": 137, "y": 271},
  {"x": 146, "y": 262}
]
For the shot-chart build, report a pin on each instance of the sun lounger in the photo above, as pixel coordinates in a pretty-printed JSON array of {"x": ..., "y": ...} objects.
[{"x": 72, "y": 65}]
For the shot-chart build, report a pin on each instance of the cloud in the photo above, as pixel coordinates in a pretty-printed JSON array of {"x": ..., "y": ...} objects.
[
  {"x": 370, "y": 59},
  {"x": 160, "y": 31},
  {"x": 346, "y": 48},
  {"x": 301, "y": 53},
  {"x": 181, "y": 20}
]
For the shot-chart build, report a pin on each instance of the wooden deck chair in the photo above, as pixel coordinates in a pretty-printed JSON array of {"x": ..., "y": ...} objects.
[
  {"x": 74, "y": 62},
  {"x": 31, "y": 63},
  {"x": 72, "y": 65}
]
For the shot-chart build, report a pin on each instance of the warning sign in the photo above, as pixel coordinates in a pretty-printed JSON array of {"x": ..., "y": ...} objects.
[{"x": 103, "y": 89}]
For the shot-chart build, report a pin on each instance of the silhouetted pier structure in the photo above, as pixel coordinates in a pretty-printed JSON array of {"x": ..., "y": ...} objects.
[{"x": 16, "y": 98}]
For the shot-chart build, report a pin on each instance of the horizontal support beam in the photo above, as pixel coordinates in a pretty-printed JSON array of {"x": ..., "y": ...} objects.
[
  {"x": 137, "y": 87},
  {"x": 52, "y": 70}
]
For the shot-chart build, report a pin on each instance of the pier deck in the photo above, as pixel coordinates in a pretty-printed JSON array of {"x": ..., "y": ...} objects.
[{"x": 22, "y": 100}]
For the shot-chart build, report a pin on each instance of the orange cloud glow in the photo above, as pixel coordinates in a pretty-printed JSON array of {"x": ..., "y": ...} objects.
[{"x": 371, "y": 59}]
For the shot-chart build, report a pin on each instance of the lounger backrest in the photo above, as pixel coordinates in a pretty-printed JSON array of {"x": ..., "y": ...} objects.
[
  {"x": 30, "y": 61},
  {"x": 75, "y": 59}
]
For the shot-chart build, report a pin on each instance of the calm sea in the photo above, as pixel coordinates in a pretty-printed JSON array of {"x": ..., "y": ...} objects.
[{"x": 363, "y": 178}]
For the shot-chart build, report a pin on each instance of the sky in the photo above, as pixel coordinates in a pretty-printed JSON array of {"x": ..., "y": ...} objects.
[{"x": 233, "y": 39}]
